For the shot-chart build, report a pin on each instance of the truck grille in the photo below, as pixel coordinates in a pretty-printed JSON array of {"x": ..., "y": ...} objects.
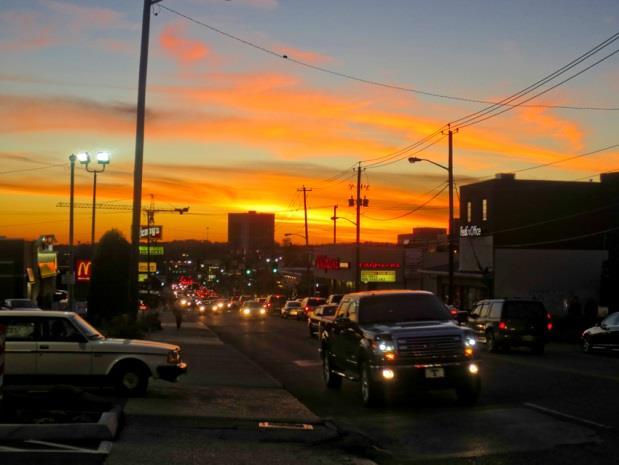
[{"x": 433, "y": 348}]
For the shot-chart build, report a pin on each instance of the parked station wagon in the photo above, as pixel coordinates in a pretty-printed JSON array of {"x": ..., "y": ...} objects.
[{"x": 53, "y": 346}]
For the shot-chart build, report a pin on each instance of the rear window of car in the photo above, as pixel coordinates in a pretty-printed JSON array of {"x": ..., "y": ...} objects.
[
  {"x": 524, "y": 311},
  {"x": 315, "y": 302},
  {"x": 336, "y": 298},
  {"x": 293, "y": 304},
  {"x": 279, "y": 299},
  {"x": 329, "y": 310},
  {"x": 401, "y": 308}
]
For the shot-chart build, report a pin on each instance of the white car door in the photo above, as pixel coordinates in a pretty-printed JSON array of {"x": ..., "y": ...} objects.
[
  {"x": 20, "y": 346},
  {"x": 62, "y": 349}
]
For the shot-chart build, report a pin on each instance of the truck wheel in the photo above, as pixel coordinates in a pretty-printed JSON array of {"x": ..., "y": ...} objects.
[
  {"x": 468, "y": 392},
  {"x": 332, "y": 380},
  {"x": 130, "y": 379},
  {"x": 491, "y": 343},
  {"x": 372, "y": 393}
]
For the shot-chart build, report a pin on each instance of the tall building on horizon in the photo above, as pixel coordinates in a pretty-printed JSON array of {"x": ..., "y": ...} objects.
[{"x": 251, "y": 231}]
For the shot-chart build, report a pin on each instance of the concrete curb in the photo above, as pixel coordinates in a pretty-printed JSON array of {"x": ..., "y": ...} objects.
[
  {"x": 54, "y": 454},
  {"x": 105, "y": 429}
]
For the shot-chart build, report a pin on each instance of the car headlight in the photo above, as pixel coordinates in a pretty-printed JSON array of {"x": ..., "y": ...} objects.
[
  {"x": 174, "y": 356},
  {"x": 183, "y": 302},
  {"x": 469, "y": 341},
  {"x": 202, "y": 308},
  {"x": 246, "y": 311},
  {"x": 263, "y": 311}
]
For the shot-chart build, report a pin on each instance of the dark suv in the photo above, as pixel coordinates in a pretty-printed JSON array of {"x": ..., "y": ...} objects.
[
  {"x": 505, "y": 323},
  {"x": 390, "y": 339}
]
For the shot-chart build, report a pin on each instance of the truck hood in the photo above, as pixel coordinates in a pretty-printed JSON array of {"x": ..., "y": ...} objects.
[
  {"x": 413, "y": 328},
  {"x": 136, "y": 345}
]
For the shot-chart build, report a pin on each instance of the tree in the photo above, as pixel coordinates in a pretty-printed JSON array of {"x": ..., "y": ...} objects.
[{"x": 109, "y": 285}]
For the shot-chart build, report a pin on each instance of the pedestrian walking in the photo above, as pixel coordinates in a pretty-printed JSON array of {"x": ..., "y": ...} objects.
[{"x": 178, "y": 315}]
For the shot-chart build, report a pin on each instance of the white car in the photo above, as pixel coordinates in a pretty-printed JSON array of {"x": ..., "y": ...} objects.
[
  {"x": 63, "y": 347},
  {"x": 19, "y": 304}
]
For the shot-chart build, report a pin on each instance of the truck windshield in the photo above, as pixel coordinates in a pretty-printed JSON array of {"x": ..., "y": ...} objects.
[{"x": 401, "y": 308}]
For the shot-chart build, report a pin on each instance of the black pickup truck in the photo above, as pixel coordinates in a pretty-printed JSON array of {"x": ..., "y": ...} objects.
[{"x": 399, "y": 339}]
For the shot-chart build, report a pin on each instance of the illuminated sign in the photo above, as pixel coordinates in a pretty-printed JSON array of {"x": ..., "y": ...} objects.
[
  {"x": 146, "y": 267},
  {"x": 326, "y": 263},
  {"x": 84, "y": 270},
  {"x": 47, "y": 264},
  {"x": 155, "y": 232},
  {"x": 154, "y": 250},
  {"x": 378, "y": 266},
  {"x": 142, "y": 277},
  {"x": 470, "y": 231},
  {"x": 378, "y": 276},
  {"x": 344, "y": 265}
]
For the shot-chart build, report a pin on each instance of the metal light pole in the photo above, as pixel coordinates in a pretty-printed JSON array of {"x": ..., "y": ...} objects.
[
  {"x": 307, "y": 260},
  {"x": 451, "y": 235},
  {"x": 103, "y": 159},
  {"x": 139, "y": 157},
  {"x": 71, "y": 274}
]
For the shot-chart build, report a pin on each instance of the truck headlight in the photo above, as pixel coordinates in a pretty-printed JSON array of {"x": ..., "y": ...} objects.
[
  {"x": 384, "y": 346},
  {"x": 470, "y": 341},
  {"x": 174, "y": 356}
]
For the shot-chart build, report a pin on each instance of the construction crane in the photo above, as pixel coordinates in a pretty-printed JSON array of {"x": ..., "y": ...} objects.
[{"x": 149, "y": 211}]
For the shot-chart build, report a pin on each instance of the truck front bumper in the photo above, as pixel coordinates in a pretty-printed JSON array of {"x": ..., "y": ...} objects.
[{"x": 427, "y": 376}]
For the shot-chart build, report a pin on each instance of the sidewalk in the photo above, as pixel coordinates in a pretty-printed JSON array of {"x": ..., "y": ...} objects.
[{"x": 212, "y": 414}]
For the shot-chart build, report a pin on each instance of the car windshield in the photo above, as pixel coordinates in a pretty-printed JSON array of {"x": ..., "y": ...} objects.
[
  {"x": 293, "y": 304},
  {"x": 336, "y": 298},
  {"x": 401, "y": 308},
  {"x": 253, "y": 304},
  {"x": 86, "y": 328},
  {"x": 524, "y": 311},
  {"x": 280, "y": 299}
]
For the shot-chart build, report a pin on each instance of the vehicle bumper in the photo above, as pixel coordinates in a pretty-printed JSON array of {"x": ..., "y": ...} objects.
[
  {"x": 452, "y": 374},
  {"x": 521, "y": 339},
  {"x": 171, "y": 372}
]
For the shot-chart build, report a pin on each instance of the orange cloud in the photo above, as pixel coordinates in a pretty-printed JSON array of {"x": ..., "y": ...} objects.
[{"x": 184, "y": 50}]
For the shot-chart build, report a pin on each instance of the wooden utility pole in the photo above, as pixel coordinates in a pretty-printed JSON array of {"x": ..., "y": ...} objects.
[{"x": 305, "y": 190}]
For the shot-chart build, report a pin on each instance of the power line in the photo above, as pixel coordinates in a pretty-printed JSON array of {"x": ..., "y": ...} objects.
[
  {"x": 411, "y": 211},
  {"x": 407, "y": 155},
  {"x": 468, "y": 120},
  {"x": 365, "y": 80},
  {"x": 55, "y": 165}
]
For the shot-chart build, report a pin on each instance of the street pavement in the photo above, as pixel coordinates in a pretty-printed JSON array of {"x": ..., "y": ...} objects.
[
  {"x": 560, "y": 408},
  {"x": 214, "y": 414}
]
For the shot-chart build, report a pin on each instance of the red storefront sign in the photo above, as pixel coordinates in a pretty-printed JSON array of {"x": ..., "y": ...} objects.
[
  {"x": 327, "y": 263},
  {"x": 83, "y": 270},
  {"x": 378, "y": 266}
]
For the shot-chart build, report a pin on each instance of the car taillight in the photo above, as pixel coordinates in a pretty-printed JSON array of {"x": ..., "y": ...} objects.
[
  {"x": 549, "y": 325},
  {"x": 453, "y": 312},
  {"x": 502, "y": 326}
]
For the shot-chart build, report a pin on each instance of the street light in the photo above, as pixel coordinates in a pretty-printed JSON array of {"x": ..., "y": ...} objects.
[
  {"x": 71, "y": 274},
  {"x": 451, "y": 240},
  {"x": 103, "y": 159}
]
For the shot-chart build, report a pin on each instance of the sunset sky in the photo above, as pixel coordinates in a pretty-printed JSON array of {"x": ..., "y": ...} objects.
[{"x": 232, "y": 128}]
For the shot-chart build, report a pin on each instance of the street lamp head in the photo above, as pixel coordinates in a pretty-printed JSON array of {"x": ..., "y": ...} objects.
[
  {"x": 414, "y": 160},
  {"x": 103, "y": 158},
  {"x": 83, "y": 157}
]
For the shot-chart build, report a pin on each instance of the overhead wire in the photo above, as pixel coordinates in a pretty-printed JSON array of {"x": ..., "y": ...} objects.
[
  {"x": 414, "y": 210},
  {"x": 360, "y": 79}
]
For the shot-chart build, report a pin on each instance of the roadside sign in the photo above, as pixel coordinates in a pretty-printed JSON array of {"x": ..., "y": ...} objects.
[
  {"x": 155, "y": 232},
  {"x": 378, "y": 276},
  {"x": 146, "y": 267},
  {"x": 83, "y": 270},
  {"x": 154, "y": 250}
]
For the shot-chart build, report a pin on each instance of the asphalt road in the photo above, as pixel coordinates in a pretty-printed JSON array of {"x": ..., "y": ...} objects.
[{"x": 558, "y": 408}]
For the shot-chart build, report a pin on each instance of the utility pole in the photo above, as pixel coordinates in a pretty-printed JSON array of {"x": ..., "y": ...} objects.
[
  {"x": 358, "y": 226},
  {"x": 451, "y": 242},
  {"x": 334, "y": 223},
  {"x": 139, "y": 157},
  {"x": 305, "y": 190},
  {"x": 71, "y": 274}
]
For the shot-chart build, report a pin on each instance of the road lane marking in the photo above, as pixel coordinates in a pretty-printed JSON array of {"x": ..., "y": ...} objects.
[
  {"x": 307, "y": 363},
  {"x": 567, "y": 416}
]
